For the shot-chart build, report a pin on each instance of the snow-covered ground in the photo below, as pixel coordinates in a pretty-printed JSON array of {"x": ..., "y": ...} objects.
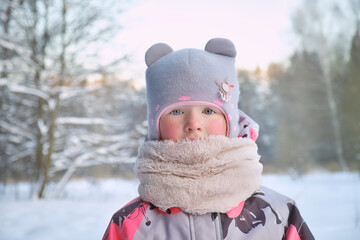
[{"x": 329, "y": 202}]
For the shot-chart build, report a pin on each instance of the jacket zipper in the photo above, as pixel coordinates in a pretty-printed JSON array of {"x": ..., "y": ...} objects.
[
  {"x": 218, "y": 227},
  {"x": 219, "y": 231},
  {"x": 192, "y": 227}
]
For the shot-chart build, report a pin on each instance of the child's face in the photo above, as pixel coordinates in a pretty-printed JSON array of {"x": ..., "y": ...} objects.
[{"x": 192, "y": 122}]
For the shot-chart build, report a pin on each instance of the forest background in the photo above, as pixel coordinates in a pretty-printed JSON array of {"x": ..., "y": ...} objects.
[{"x": 62, "y": 117}]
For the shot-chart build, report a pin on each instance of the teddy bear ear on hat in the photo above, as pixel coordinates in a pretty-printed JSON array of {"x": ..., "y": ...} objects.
[
  {"x": 221, "y": 46},
  {"x": 155, "y": 52}
]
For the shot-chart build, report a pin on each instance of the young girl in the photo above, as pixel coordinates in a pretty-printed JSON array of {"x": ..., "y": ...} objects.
[{"x": 199, "y": 171}]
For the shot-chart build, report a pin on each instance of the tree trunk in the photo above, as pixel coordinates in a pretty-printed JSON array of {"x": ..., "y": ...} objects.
[
  {"x": 39, "y": 141},
  {"x": 53, "y": 110},
  {"x": 6, "y": 25},
  {"x": 334, "y": 119},
  {"x": 48, "y": 160}
]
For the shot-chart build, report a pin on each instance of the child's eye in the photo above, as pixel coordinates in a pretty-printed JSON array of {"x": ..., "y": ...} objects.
[
  {"x": 175, "y": 112},
  {"x": 209, "y": 111}
]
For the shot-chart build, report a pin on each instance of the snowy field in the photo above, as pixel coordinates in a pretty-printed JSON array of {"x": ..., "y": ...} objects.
[{"x": 330, "y": 204}]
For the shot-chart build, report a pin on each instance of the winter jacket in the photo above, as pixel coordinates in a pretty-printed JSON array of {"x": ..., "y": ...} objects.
[{"x": 265, "y": 215}]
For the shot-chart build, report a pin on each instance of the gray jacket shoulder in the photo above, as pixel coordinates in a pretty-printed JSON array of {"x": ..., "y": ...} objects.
[{"x": 278, "y": 201}]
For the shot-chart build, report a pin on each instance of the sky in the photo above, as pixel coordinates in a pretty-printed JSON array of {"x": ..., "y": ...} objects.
[{"x": 260, "y": 29}]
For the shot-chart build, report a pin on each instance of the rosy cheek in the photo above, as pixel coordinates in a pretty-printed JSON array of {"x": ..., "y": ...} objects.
[
  {"x": 217, "y": 127},
  {"x": 169, "y": 130}
]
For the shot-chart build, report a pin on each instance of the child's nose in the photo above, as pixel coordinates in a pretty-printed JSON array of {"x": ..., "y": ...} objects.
[{"x": 193, "y": 122}]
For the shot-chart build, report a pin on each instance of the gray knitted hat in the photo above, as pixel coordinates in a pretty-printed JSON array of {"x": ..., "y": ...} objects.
[{"x": 194, "y": 77}]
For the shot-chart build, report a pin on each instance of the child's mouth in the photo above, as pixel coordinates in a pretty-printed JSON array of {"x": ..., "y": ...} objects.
[{"x": 193, "y": 138}]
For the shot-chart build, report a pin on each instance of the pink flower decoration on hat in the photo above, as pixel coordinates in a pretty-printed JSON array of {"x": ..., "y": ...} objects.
[{"x": 225, "y": 90}]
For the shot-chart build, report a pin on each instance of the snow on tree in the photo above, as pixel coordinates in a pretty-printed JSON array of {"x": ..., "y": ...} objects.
[{"x": 50, "y": 120}]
